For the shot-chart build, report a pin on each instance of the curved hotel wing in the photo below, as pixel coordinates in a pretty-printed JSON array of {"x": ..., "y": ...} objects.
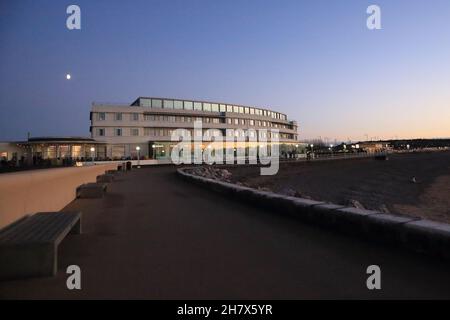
[{"x": 149, "y": 123}]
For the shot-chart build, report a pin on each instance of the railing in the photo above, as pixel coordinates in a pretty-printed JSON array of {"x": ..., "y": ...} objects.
[
  {"x": 338, "y": 156},
  {"x": 105, "y": 103}
]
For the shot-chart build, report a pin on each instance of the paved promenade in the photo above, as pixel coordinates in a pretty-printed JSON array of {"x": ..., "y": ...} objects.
[{"x": 155, "y": 236}]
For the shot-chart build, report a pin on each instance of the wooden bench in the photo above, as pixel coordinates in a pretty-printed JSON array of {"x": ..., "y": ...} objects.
[{"x": 29, "y": 247}]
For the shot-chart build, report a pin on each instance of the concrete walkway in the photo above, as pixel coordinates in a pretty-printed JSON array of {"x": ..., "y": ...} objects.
[{"x": 155, "y": 236}]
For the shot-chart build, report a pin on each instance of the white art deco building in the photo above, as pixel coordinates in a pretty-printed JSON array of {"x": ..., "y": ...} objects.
[{"x": 148, "y": 123}]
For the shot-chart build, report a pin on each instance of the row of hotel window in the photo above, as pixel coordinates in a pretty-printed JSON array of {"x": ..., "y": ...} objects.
[
  {"x": 162, "y": 132},
  {"x": 184, "y": 119},
  {"x": 207, "y": 106}
]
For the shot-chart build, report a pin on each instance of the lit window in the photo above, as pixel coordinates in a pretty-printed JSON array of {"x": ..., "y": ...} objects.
[
  {"x": 235, "y": 109},
  {"x": 252, "y": 111},
  {"x": 214, "y": 107},
  {"x": 223, "y": 108},
  {"x": 229, "y": 108},
  {"x": 241, "y": 109}
]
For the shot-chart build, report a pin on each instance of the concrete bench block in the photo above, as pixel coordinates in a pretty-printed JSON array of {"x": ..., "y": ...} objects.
[
  {"x": 243, "y": 193},
  {"x": 427, "y": 236},
  {"x": 386, "y": 227},
  {"x": 30, "y": 260},
  {"x": 325, "y": 214},
  {"x": 105, "y": 178},
  {"x": 91, "y": 190},
  {"x": 354, "y": 220},
  {"x": 29, "y": 248},
  {"x": 273, "y": 201},
  {"x": 219, "y": 187},
  {"x": 303, "y": 208}
]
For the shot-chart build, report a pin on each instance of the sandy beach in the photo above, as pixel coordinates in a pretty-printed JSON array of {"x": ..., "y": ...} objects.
[{"x": 386, "y": 186}]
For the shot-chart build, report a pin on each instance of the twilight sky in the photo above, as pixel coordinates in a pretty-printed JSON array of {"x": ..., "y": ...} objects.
[{"x": 314, "y": 60}]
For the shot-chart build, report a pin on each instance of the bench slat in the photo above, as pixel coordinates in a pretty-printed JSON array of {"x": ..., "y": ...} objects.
[
  {"x": 39, "y": 228},
  {"x": 29, "y": 228}
]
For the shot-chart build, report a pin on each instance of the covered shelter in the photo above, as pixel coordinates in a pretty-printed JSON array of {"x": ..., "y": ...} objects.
[{"x": 61, "y": 150}]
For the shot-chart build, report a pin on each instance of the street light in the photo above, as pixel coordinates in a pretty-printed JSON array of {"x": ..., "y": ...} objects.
[
  {"x": 138, "y": 149},
  {"x": 92, "y": 153}
]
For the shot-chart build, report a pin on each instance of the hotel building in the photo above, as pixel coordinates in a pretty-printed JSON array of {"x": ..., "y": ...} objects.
[{"x": 149, "y": 122}]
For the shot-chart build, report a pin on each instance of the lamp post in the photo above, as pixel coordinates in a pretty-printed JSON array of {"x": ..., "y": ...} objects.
[
  {"x": 92, "y": 153},
  {"x": 138, "y": 149},
  {"x": 153, "y": 151}
]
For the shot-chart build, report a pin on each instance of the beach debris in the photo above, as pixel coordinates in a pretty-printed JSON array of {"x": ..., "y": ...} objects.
[
  {"x": 355, "y": 203},
  {"x": 213, "y": 173},
  {"x": 383, "y": 209},
  {"x": 293, "y": 193},
  {"x": 289, "y": 192},
  {"x": 243, "y": 184},
  {"x": 264, "y": 189},
  {"x": 304, "y": 196}
]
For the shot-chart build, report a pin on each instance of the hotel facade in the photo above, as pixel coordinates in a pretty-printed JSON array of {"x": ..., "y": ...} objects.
[{"x": 148, "y": 123}]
